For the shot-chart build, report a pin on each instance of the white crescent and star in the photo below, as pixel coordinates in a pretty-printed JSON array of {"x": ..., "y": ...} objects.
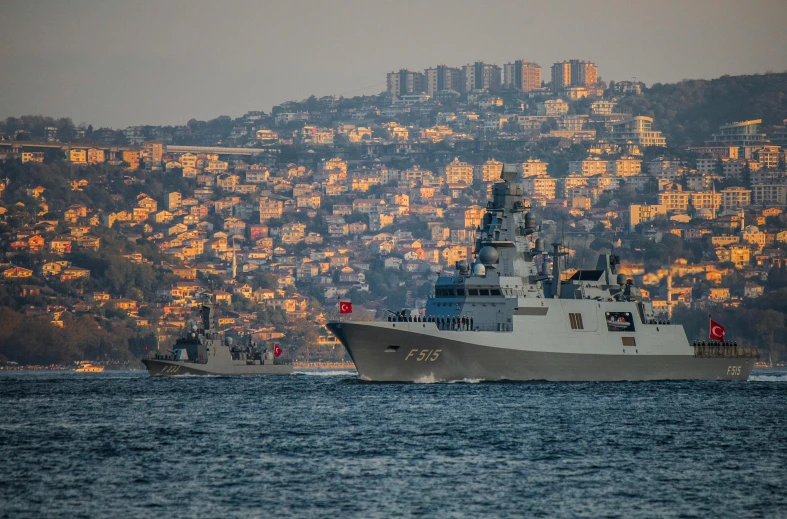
[
  {"x": 718, "y": 331},
  {"x": 344, "y": 307}
]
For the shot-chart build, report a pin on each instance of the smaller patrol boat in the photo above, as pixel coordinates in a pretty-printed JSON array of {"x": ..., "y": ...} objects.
[
  {"x": 201, "y": 351},
  {"x": 86, "y": 367}
]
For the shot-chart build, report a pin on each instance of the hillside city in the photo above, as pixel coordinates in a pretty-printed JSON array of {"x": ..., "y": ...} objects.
[{"x": 109, "y": 237}]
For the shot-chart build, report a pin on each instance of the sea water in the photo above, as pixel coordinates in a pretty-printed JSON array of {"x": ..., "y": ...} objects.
[{"x": 122, "y": 444}]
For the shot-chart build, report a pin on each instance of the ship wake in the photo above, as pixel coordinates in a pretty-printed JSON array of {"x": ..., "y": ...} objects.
[
  {"x": 327, "y": 373},
  {"x": 762, "y": 377}
]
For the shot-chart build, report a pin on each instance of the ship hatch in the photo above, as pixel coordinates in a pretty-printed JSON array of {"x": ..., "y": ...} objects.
[{"x": 391, "y": 349}]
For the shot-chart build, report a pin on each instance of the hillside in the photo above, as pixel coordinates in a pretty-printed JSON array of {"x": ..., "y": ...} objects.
[{"x": 688, "y": 112}]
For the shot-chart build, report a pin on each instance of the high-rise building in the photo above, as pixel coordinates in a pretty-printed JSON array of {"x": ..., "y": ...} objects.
[
  {"x": 482, "y": 76},
  {"x": 405, "y": 82},
  {"x": 561, "y": 76},
  {"x": 442, "y": 78},
  {"x": 522, "y": 75},
  {"x": 583, "y": 73},
  {"x": 573, "y": 73}
]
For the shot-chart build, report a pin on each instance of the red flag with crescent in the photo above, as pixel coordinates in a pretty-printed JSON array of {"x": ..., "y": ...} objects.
[
  {"x": 345, "y": 307},
  {"x": 717, "y": 331},
  {"x": 277, "y": 351}
]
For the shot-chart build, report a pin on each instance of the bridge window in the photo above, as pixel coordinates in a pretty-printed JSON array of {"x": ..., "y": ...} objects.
[
  {"x": 484, "y": 292},
  {"x": 472, "y": 291},
  {"x": 576, "y": 321},
  {"x": 496, "y": 292},
  {"x": 460, "y": 291}
]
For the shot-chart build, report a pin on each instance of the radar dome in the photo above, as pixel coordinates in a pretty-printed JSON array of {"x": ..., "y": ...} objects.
[
  {"x": 539, "y": 246},
  {"x": 479, "y": 269},
  {"x": 462, "y": 265},
  {"x": 488, "y": 255}
]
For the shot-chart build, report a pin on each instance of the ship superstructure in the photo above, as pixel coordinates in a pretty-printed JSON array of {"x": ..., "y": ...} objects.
[
  {"x": 506, "y": 316},
  {"x": 201, "y": 351}
]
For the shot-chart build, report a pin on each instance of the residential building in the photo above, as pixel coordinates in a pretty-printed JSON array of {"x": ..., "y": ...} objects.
[
  {"x": 542, "y": 186},
  {"x": 742, "y": 133},
  {"x": 552, "y": 108},
  {"x": 522, "y": 75},
  {"x": 442, "y": 78},
  {"x": 624, "y": 167},
  {"x": 482, "y": 76},
  {"x": 32, "y": 156},
  {"x": 637, "y": 130},
  {"x": 489, "y": 171},
  {"x": 405, "y": 82},
  {"x": 457, "y": 172},
  {"x": 573, "y": 73},
  {"x": 770, "y": 193},
  {"x": 735, "y": 197},
  {"x": 644, "y": 213},
  {"x": 532, "y": 168},
  {"x": 270, "y": 208},
  {"x": 588, "y": 167},
  {"x": 77, "y": 156}
]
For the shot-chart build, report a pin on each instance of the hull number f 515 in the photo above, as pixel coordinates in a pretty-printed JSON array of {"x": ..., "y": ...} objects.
[{"x": 423, "y": 355}]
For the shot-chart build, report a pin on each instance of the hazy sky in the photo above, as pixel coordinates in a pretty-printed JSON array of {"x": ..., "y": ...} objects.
[{"x": 121, "y": 63}]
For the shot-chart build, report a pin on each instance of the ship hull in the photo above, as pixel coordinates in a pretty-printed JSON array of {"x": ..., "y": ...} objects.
[
  {"x": 168, "y": 368},
  {"x": 387, "y": 354}
]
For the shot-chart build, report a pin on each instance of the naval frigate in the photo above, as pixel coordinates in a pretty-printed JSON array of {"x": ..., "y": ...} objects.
[
  {"x": 505, "y": 317},
  {"x": 201, "y": 351}
]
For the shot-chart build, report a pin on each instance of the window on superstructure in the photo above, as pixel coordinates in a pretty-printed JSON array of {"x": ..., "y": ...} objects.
[
  {"x": 460, "y": 291},
  {"x": 496, "y": 292},
  {"x": 472, "y": 291},
  {"x": 576, "y": 321},
  {"x": 484, "y": 292}
]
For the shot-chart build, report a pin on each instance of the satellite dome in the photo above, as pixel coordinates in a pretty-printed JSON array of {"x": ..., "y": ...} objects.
[
  {"x": 488, "y": 255},
  {"x": 462, "y": 265},
  {"x": 479, "y": 269}
]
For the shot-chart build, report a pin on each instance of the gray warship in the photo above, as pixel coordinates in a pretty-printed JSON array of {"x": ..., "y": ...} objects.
[
  {"x": 505, "y": 317},
  {"x": 201, "y": 351}
]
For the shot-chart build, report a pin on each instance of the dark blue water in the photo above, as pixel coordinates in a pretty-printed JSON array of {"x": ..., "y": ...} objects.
[{"x": 125, "y": 445}]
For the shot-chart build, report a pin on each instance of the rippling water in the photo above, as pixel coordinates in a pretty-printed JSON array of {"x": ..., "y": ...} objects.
[{"x": 125, "y": 445}]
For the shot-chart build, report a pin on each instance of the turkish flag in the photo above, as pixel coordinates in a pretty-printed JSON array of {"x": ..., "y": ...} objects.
[
  {"x": 716, "y": 331},
  {"x": 277, "y": 351},
  {"x": 345, "y": 307}
]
